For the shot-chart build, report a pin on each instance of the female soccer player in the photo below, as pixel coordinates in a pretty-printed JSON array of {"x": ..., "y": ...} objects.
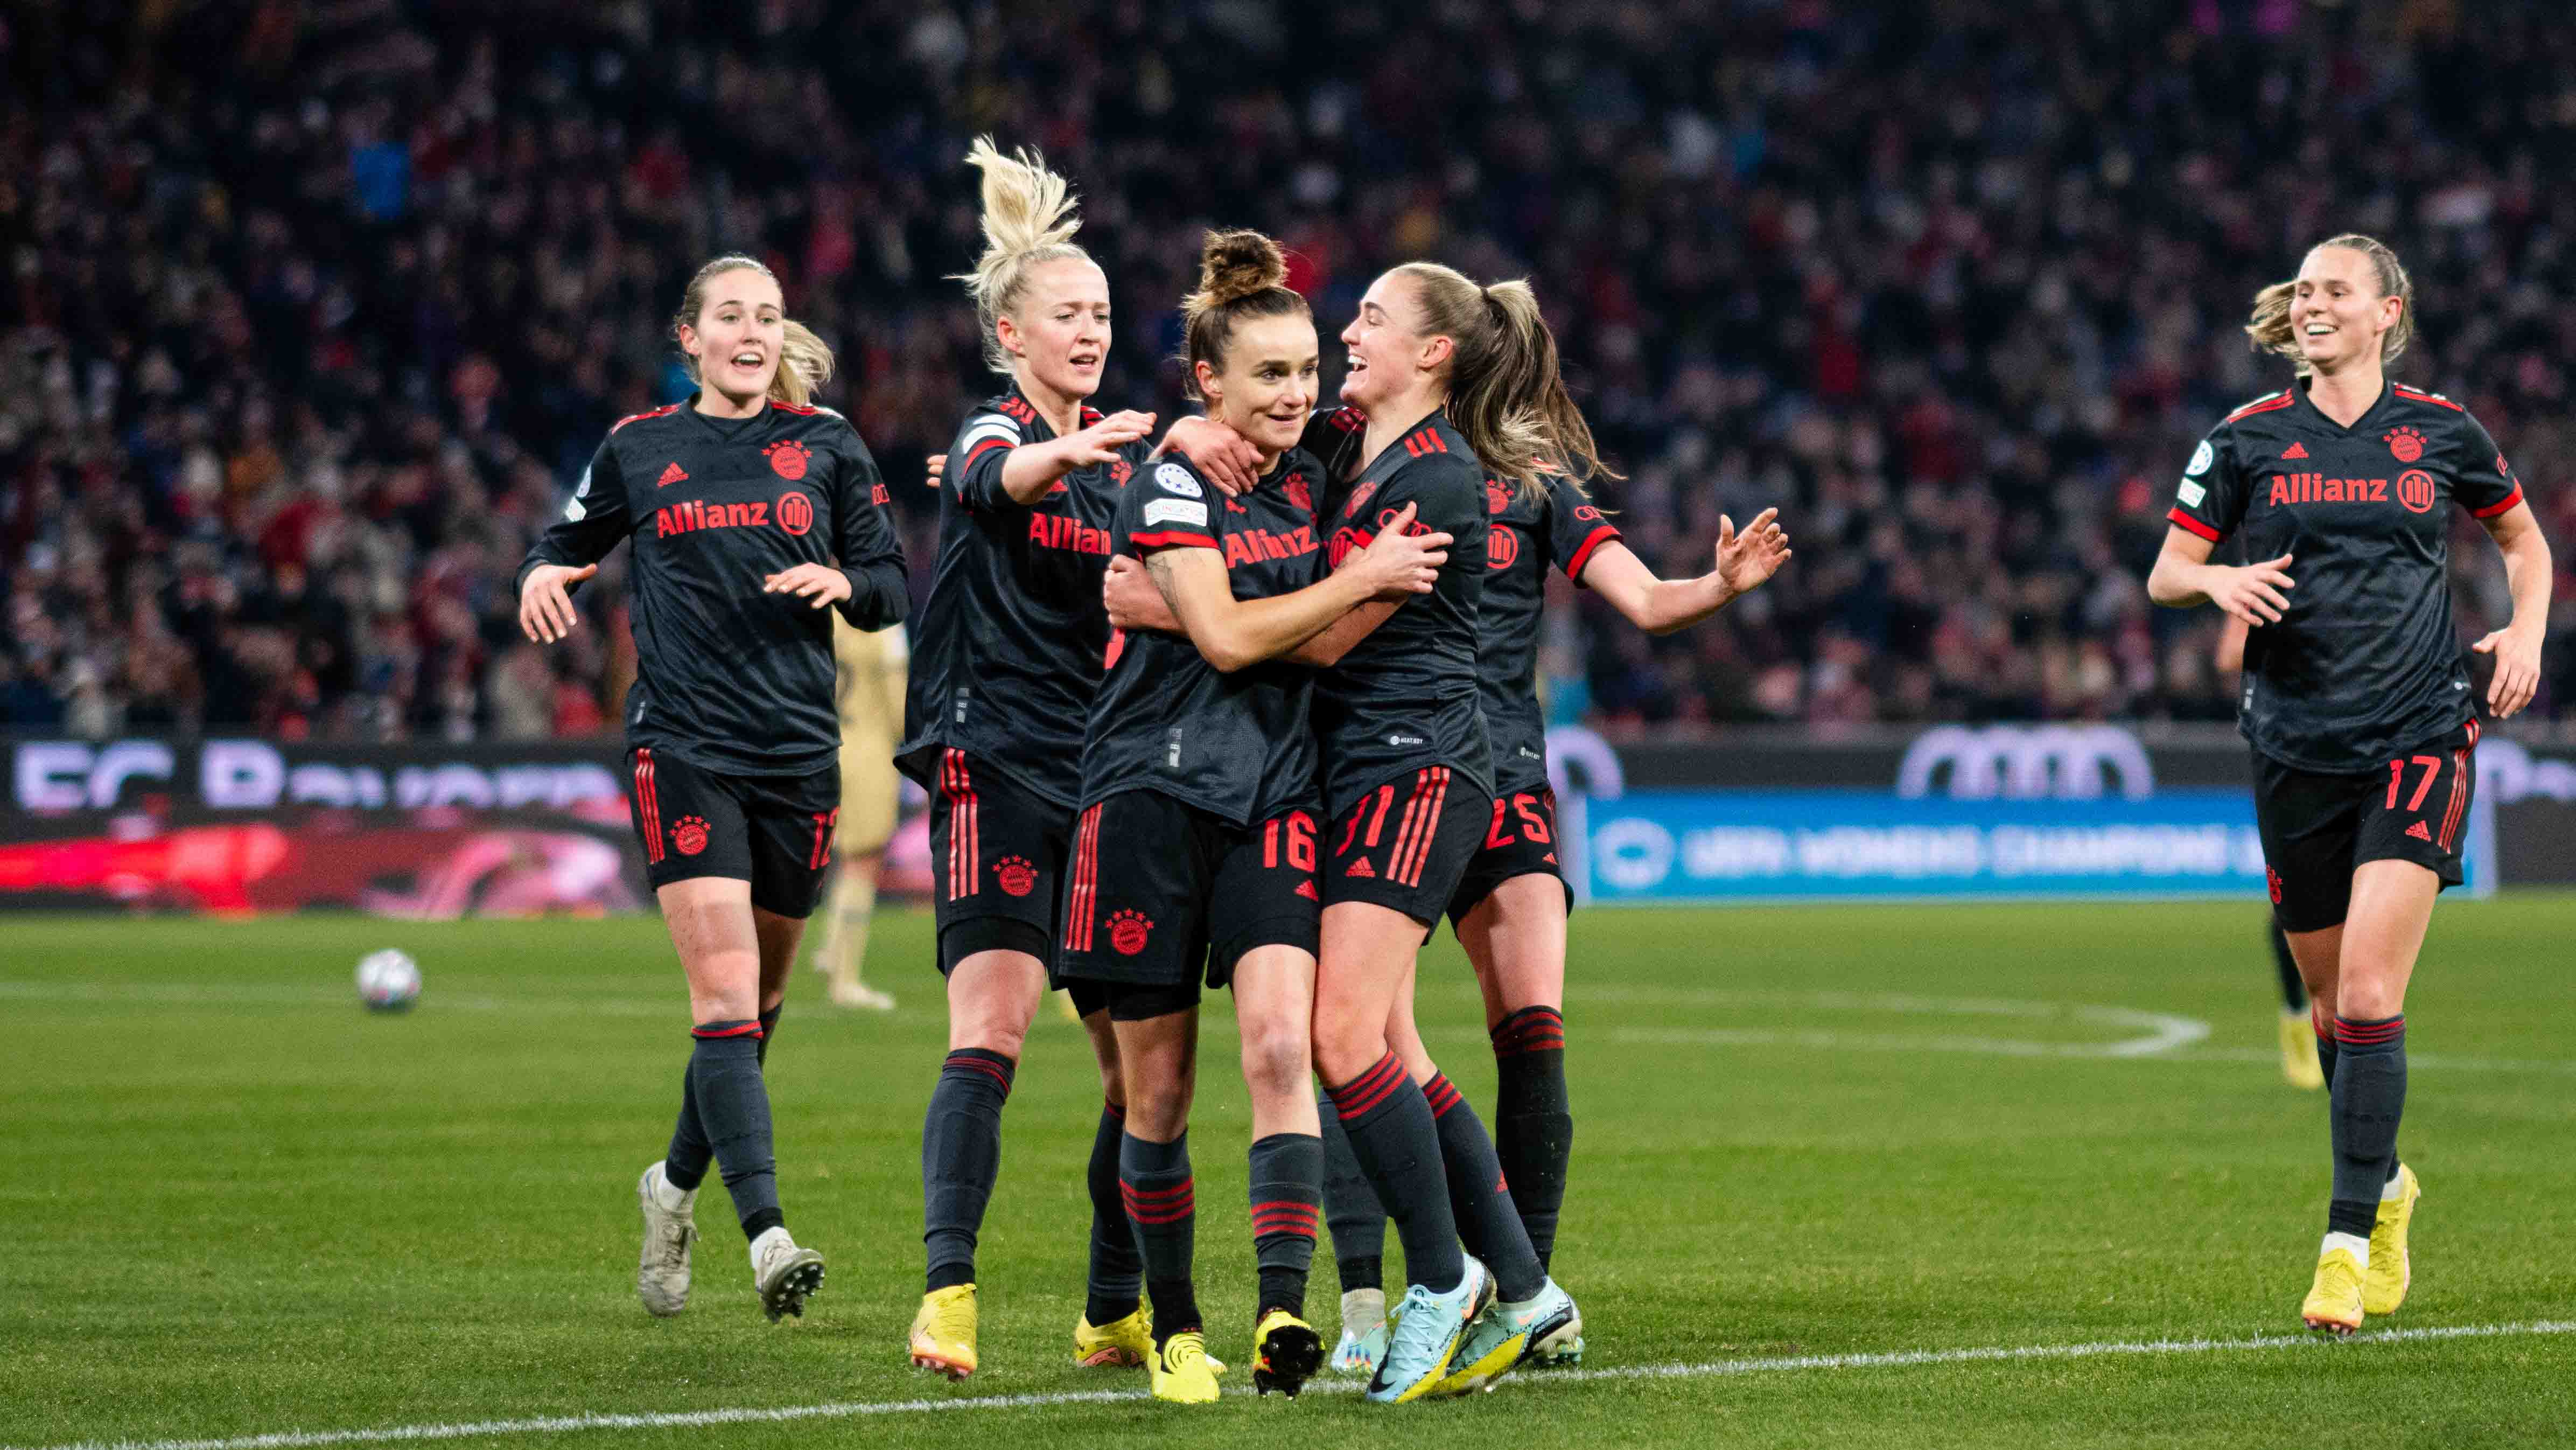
[
  {"x": 2356, "y": 699},
  {"x": 1196, "y": 854},
  {"x": 1005, "y": 662},
  {"x": 730, "y": 724}
]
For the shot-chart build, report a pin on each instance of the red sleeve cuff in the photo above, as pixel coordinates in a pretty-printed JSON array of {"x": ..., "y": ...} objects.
[
  {"x": 2194, "y": 525},
  {"x": 1171, "y": 539},
  {"x": 2492, "y": 510},
  {"x": 1605, "y": 534}
]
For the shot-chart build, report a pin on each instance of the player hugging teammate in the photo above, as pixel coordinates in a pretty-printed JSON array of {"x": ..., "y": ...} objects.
[
  {"x": 1195, "y": 855},
  {"x": 2355, "y": 697},
  {"x": 730, "y": 724}
]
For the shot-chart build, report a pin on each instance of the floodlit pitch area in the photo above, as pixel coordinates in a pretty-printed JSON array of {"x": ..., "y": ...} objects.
[{"x": 1848, "y": 1176}]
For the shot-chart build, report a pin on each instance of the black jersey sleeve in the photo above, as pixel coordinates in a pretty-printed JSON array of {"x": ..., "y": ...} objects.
[
  {"x": 592, "y": 522},
  {"x": 1166, "y": 507},
  {"x": 1576, "y": 526},
  {"x": 974, "y": 472},
  {"x": 863, "y": 543},
  {"x": 2486, "y": 486},
  {"x": 1333, "y": 436},
  {"x": 2210, "y": 501}
]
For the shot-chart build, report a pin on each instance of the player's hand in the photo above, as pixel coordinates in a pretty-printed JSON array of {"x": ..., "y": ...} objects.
[
  {"x": 1128, "y": 593},
  {"x": 545, "y": 610},
  {"x": 1746, "y": 561},
  {"x": 1399, "y": 561},
  {"x": 820, "y": 583},
  {"x": 1100, "y": 442},
  {"x": 1225, "y": 456},
  {"x": 2254, "y": 593},
  {"x": 2517, "y": 668},
  {"x": 937, "y": 470}
]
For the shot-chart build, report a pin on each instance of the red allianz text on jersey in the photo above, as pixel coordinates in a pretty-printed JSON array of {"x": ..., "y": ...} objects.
[
  {"x": 1254, "y": 545},
  {"x": 2415, "y": 489},
  {"x": 1061, "y": 531},
  {"x": 794, "y": 513}
]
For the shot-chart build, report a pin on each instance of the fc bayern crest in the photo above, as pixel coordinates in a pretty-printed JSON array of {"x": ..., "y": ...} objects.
[
  {"x": 1016, "y": 876},
  {"x": 689, "y": 836},
  {"x": 2406, "y": 445},
  {"x": 1300, "y": 497},
  {"x": 788, "y": 457},
  {"x": 1497, "y": 497},
  {"x": 1128, "y": 930}
]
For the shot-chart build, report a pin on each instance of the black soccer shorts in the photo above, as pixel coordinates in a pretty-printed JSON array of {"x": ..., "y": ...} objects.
[
  {"x": 2317, "y": 828},
  {"x": 1406, "y": 844},
  {"x": 1521, "y": 841},
  {"x": 997, "y": 853},
  {"x": 1163, "y": 895},
  {"x": 774, "y": 831}
]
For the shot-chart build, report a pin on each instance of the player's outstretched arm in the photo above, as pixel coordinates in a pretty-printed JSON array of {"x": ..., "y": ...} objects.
[
  {"x": 1233, "y": 633},
  {"x": 1744, "y": 562},
  {"x": 1030, "y": 470},
  {"x": 2516, "y": 647},
  {"x": 569, "y": 551},
  {"x": 1225, "y": 457}
]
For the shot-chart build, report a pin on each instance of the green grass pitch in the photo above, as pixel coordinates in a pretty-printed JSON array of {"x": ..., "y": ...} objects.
[{"x": 238, "y": 1205}]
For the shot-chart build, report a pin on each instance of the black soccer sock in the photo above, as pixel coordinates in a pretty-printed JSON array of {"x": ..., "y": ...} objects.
[
  {"x": 684, "y": 1165},
  {"x": 1116, "y": 1280},
  {"x": 1287, "y": 1196},
  {"x": 1351, "y": 1210},
  {"x": 961, "y": 1155},
  {"x": 1398, "y": 1148},
  {"x": 733, "y": 1104},
  {"x": 2294, "y": 988},
  {"x": 1480, "y": 1196},
  {"x": 1533, "y": 1124},
  {"x": 1154, "y": 1178},
  {"x": 2369, "y": 1098}
]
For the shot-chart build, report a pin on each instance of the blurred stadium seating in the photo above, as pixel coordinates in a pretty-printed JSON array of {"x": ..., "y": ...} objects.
[{"x": 315, "y": 308}]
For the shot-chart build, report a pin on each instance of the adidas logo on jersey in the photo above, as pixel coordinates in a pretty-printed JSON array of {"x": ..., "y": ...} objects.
[
  {"x": 2296, "y": 450},
  {"x": 671, "y": 475},
  {"x": 1361, "y": 867},
  {"x": 1307, "y": 889},
  {"x": 2418, "y": 832}
]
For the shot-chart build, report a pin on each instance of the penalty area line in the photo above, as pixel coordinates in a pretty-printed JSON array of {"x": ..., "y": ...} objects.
[{"x": 787, "y": 1414}]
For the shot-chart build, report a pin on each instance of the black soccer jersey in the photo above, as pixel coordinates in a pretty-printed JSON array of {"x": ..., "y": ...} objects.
[
  {"x": 726, "y": 676},
  {"x": 1406, "y": 696},
  {"x": 1239, "y": 746},
  {"x": 2365, "y": 663},
  {"x": 1008, "y": 648},
  {"x": 1560, "y": 527}
]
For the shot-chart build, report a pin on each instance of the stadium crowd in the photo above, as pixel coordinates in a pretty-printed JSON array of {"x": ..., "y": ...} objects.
[{"x": 318, "y": 308}]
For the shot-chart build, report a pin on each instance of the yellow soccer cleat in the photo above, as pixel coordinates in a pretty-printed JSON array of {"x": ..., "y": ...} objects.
[
  {"x": 943, "y": 1333},
  {"x": 2333, "y": 1305},
  {"x": 1181, "y": 1370},
  {"x": 1286, "y": 1352},
  {"x": 1121, "y": 1343},
  {"x": 2299, "y": 1052},
  {"x": 2383, "y": 1287}
]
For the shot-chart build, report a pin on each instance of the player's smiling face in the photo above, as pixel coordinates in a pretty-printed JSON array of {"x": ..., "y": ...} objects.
[
  {"x": 1058, "y": 332},
  {"x": 1267, "y": 389},
  {"x": 1388, "y": 352},
  {"x": 738, "y": 334},
  {"x": 2337, "y": 311}
]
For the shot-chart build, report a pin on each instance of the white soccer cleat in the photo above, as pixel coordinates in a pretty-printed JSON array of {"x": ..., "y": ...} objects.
[
  {"x": 662, "y": 1278},
  {"x": 1363, "y": 1341},
  {"x": 785, "y": 1274}
]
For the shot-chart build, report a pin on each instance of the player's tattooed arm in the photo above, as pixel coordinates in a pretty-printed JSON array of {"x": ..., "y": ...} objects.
[
  {"x": 2516, "y": 647},
  {"x": 1133, "y": 600},
  {"x": 1744, "y": 562}
]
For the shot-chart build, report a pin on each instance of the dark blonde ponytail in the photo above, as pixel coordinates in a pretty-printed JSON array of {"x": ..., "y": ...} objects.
[
  {"x": 2269, "y": 327},
  {"x": 1507, "y": 389},
  {"x": 1242, "y": 275}
]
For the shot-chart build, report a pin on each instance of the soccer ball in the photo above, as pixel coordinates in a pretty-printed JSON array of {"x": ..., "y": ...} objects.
[{"x": 388, "y": 981}]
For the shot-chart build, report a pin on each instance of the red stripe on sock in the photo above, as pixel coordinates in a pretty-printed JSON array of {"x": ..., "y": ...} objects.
[
  {"x": 1442, "y": 1093},
  {"x": 977, "y": 1064},
  {"x": 2368, "y": 1033},
  {"x": 1369, "y": 1089},
  {"x": 747, "y": 1029}
]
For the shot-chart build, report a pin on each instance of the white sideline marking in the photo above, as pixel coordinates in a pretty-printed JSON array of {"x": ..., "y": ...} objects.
[
  {"x": 844, "y": 1410},
  {"x": 2158, "y": 1032}
]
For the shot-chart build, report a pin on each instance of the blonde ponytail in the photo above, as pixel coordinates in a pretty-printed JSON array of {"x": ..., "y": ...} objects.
[
  {"x": 1028, "y": 219},
  {"x": 2268, "y": 328},
  {"x": 804, "y": 361},
  {"x": 1507, "y": 390}
]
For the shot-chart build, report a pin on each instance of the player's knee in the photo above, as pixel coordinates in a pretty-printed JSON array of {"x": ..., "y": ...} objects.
[
  {"x": 1344, "y": 1050},
  {"x": 1158, "y": 1111},
  {"x": 2365, "y": 996},
  {"x": 1276, "y": 1058},
  {"x": 989, "y": 1031}
]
